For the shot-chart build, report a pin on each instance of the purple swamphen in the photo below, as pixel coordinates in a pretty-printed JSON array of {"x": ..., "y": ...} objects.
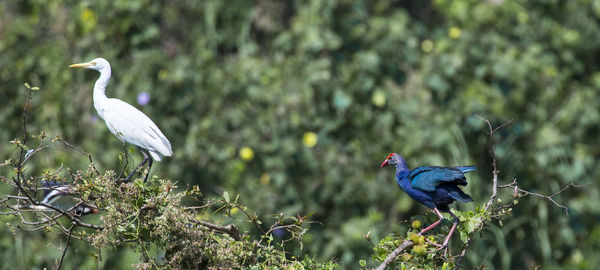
[{"x": 434, "y": 187}]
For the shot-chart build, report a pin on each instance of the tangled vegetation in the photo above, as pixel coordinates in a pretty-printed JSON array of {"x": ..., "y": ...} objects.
[
  {"x": 293, "y": 104},
  {"x": 152, "y": 218}
]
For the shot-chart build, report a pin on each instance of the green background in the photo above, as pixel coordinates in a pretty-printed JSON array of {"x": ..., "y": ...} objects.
[{"x": 366, "y": 77}]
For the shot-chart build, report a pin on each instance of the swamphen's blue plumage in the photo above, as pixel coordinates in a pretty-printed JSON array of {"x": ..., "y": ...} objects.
[{"x": 434, "y": 187}]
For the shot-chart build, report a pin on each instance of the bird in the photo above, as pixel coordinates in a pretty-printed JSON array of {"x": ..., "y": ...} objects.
[
  {"x": 53, "y": 192},
  {"x": 125, "y": 121},
  {"x": 433, "y": 186}
]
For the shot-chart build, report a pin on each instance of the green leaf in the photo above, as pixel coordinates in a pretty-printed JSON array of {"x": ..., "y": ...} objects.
[
  {"x": 362, "y": 263},
  {"x": 226, "y": 196},
  {"x": 464, "y": 237}
]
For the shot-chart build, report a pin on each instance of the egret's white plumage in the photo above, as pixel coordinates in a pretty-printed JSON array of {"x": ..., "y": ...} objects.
[
  {"x": 134, "y": 127},
  {"x": 125, "y": 121}
]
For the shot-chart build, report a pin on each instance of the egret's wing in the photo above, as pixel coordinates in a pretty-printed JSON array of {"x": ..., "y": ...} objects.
[{"x": 133, "y": 126}]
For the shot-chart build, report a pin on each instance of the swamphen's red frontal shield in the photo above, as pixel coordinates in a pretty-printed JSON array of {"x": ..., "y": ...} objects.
[{"x": 433, "y": 186}]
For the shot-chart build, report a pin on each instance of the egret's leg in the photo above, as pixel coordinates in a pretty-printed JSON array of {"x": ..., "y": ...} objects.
[
  {"x": 149, "y": 167},
  {"x": 146, "y": 157},
  {"x": 126, "y": 163}
]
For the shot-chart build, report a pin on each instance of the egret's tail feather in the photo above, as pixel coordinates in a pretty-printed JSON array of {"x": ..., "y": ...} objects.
[{"x": 155, "y": 155}]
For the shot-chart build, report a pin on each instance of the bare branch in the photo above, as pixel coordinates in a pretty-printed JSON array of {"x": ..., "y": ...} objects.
[
  {"x": 513, "y": 185},
  {"x": 80, "y": 151},
  {"x": 394, "y": 254},
  {"x": 252, "y": 218},
  {"x": 62, "y": 257},
  {"x": 521, "y": 192},
  {"x": 495, "y": 172},
  {"x": 230, "y": 229}
]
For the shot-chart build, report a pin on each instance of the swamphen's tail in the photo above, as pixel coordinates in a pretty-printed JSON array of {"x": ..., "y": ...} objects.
[
  {"x": 466, "y": 169},
  {"x": 455, "y": 192}
]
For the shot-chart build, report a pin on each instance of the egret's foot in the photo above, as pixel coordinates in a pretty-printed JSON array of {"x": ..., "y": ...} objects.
[
  {"x": 118, "y": 181},
  {"x": 129, "y": 176}
]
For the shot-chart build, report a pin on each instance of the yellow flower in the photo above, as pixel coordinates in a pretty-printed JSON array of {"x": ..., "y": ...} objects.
[
  {"x": 378, "y": 98},
  {"x": 427, "y": 45},
  {"x": 310, "y": 139},
  {"x": 523, "y": 17},
  {"x": 265, "y": 178},
  {"x": 420, "y": 250},
  {"x": 454, "y": 32},
  {"x": 88, "y": 20},
  {"x": 246, "y": 153},
  {"x": 417, "y": 239},
  {"x": 416, "y": 224},
  {"x": 162, "y": 74},
  {"x": 87, "y": 15}
]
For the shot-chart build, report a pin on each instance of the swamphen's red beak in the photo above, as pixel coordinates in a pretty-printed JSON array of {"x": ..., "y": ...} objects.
[{"x": 385, "y": 163}]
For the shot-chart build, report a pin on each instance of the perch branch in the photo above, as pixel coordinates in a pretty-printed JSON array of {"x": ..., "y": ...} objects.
[
  {"x": 406, "y": 244},
  {"x": 230, "y": 229}
]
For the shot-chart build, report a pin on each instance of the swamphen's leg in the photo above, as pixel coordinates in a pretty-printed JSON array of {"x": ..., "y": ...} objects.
[
  {"x": 146, "y": 157},
  {"x": 445, "y": 244},
  {"x": 433, "y": 225},
  {"x": 454, "y": 224}
]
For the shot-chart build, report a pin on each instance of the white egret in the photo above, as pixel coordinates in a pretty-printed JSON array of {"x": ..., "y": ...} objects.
[{"x": 125, "y": 121}]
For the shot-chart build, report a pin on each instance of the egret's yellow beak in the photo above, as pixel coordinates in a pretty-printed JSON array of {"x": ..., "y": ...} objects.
[{"x": 88, "y": 64}]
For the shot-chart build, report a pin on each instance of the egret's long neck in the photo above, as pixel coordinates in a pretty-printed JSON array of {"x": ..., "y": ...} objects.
[{"x": 100, "y": 98}]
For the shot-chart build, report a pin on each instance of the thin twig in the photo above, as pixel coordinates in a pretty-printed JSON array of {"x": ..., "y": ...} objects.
[
  {"x": 62, "y": 257},
  {"x": 80, "y": 151},
  {"x": 252, "y": 218},
  {"x": 521, "y": 192}
]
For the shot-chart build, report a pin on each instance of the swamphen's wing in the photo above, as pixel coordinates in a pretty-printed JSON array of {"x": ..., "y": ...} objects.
[{"x": 427, "y": 178}]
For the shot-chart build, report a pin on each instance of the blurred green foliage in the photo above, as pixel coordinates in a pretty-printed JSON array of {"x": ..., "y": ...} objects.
[{"x": 293, "y": 104}]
